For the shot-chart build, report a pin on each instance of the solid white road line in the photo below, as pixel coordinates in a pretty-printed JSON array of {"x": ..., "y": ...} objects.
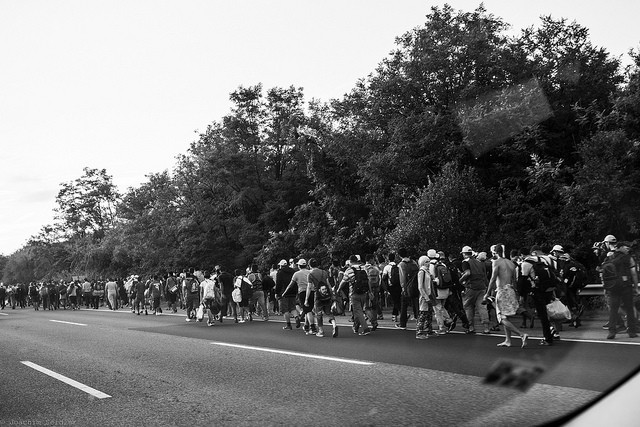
[
  {"x": 294, "y": 353},
  {"x": 92, "y": 391},
  {"x": 68, "y": 323},
  {"x": 3, "y": 314}
]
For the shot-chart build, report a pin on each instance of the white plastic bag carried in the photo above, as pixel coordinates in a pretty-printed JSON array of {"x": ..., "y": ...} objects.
[
  {"x": 200, "y": 313},
  {"x": 556, "y": 310},
  {"x": 236, "y": 295}
]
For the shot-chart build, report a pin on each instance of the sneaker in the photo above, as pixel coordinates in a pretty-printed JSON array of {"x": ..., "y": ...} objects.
[
  {"x": 374, "y": 327},
  {"x": 441, "y": 333},
  {"x": 209, "y": 323},
  {"x": 334, "y": 333},
  {"x": 394, "y": 318},
  {"x": 364, "y": 333},
  {"x": 241, "y": 321},
  {"x": 486, "y": 331},
  {"x": 186, "y": 320},
  {"x": 320, "y": 334},
  {"x": 605, "y": 326},
  {"x": 404, "y": 328},
  {"x": 309, "y": 332},
  {"x": 297, "y": 321},
  {"x": 287, "y": 327},
  {"x": 469, "y": 331},
  {"x": 422, "y": 337}
]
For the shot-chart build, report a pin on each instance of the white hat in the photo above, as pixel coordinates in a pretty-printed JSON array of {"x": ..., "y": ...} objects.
[
  {"x": 557, "y": 248},
  {"x": 610, "y": 238},
  {"x": 466, "y": 249},
  {"x": 302, "y": 261},
  {"x": 283, "y": 262},
  {"x": 431, "y": 253}
]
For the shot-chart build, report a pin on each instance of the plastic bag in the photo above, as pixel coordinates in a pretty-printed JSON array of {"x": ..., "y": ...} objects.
[
  {"x": 556, "y": 310},
  {"x": 236, "y": 295},
  {"x": 200, "y": 313}
]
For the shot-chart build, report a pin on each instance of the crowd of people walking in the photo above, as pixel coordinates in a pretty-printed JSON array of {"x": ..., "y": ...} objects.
[{"x": 479, "y": 291}]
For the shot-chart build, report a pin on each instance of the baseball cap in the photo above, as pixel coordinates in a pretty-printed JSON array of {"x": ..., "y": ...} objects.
[
  {"x": 302, "y": 261},
  {"x": 610, "y": 238},
  {"x": 283, "y": 262},
  {"x": 431, "y": 253},
  {"x": 466, "y": 249},
  {"x": 557, "y": 248}
]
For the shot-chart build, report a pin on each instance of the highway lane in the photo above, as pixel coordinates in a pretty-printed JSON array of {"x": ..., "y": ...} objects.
[{"x": 162, "y": 370}]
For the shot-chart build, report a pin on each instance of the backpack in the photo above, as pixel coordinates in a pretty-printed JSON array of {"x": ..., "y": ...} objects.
[
  {"x": 412, "y": 280},
  {"x": 192, "y": 284},
  {"x": 616, "y": 271},
  {"x": 394, "y": 276},
  {"x": 373, "y": 274},
  {"x": 443, "y": 275},
  {"x": 360, "y": 280},
  {"x": 578, "y": 275},
  {"x": 209, "y": 292},
  {"x": 256, "y": 281},
  {"x": 544, "y": 276},
  {"x": 246, "y": 289}
]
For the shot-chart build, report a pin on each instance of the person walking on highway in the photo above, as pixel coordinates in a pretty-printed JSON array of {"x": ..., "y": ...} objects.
[
  {"x": 503, "y": 277},
  {"x": 111, "y": 288},
  {"x": 286, "y": 300},
  {"x": 358, "y": 281},
  {"x": 425, "y": 303},
  {"x": 621, "y": 284},
  {"x": 474, "y": 279}
]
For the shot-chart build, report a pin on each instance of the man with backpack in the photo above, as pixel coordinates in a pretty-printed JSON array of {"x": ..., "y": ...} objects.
[
  {"x": 574, "y": 278},
  {"x": 391, "y": 281},
  {"x": 620, "y": 281},
  {"x": 257, "y": 296},
  {"x": 373, "y": 296},
  {"x": 286, "y": 300},
  {"x": 442, "y": 281},
  {"x": 410, "y": 295},
  {"x": 191, "y": 287},
  {"x": 536, "y": 278},
  {"x": 474, "y": 279},
  {"x": 358, "y": 281}
]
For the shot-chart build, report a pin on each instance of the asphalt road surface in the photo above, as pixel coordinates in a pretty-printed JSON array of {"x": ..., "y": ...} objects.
[{"x": 97, "y": 367}]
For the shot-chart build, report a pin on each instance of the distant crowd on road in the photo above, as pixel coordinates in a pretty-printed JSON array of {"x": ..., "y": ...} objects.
[{"x": 447, "y": 288}]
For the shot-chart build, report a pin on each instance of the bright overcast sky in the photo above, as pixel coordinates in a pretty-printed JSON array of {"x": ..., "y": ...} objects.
[{"x": 123, "y": 84}]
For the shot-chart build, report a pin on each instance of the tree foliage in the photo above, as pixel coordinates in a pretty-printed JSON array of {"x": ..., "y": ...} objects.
[{"x": 461, "y": 136}]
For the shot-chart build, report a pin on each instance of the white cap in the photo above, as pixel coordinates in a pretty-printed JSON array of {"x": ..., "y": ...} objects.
[
  {"x": 283, "y": 262},
  {"x": 431, "y": 253},
  {"x": 466, "y": 249},
  {"x": 610, "y": 238},
  {"x": 557, "y": 248},
  {"x": 302, "y": 261}
]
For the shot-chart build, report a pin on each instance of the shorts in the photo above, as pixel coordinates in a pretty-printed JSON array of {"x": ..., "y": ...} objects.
[
  {"x": 171, "y": 297},
  {"x": 323, "y": 306},
  {"x": 287, "y": 304}
]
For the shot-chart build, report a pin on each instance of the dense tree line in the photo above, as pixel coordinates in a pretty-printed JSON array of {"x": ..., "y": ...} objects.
[{"x": 462, "y": 135}]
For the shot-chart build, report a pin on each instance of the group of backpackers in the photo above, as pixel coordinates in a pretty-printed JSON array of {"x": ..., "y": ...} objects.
[{"x": 449, "y": 288}]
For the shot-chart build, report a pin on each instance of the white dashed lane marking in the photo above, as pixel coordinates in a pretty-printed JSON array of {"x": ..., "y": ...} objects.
[{"x": 92, "y": 391}]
